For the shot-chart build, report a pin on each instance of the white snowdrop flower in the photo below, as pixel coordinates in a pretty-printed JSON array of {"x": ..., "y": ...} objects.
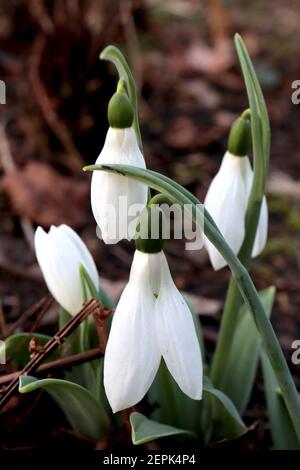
[
  {"x": 151, "y": 321},
  {"x": 227, "y": 199},
  {"x": 60, "y": 252},
  {"x": 113, "y": 195}
]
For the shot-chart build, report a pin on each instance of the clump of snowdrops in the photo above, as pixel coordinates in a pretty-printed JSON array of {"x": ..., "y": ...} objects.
[{"x": 155, "y": 358}]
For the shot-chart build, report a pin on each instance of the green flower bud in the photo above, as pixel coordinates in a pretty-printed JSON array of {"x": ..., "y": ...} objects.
[
  {"x": 239, "y": 139},
  {"x": 120, "y": 112},
  {"x": 151, "y": 223}
]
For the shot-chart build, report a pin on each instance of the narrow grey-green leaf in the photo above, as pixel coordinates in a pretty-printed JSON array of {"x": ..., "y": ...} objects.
[
  {"x": 145, "y": 430},
  {"x": 171, "y": 405},
  {"x": 241, "y": 366},
  {"x": 17, "y": 348},
  {"x": 197, "y": 323},
  {"x": 222, "y": 419},
  {"x": 84, "y": 413},
  {"x": 282, "y": 429}
]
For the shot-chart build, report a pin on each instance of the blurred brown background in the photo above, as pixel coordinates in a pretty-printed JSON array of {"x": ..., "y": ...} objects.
[{"x": 190, "y": 90}]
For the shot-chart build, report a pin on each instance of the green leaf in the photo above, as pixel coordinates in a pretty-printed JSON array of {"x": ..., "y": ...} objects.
[
  {"x": 114, "y": 55},
  {"x": 171, "y": 405},
  {"x": 16, "y": 348},
  {"x": 87, "y": 374},
  {"x": 241, "y": 367},
  {"x": 84, "y": 413},
  {"x": 197, "y": 323},
  {"x": 146, "y": 430},
  {"x": 98, "y": 294},
  {"x": 282, "y": 429},
  {"x": 256, "y": 94},
  {"x": 221, "y": 419},
  {"x": 215, "y": 416}
]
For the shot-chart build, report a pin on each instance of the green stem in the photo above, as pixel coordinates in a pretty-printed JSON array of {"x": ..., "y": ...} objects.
[
  {"x": 261, "y": 148},
  {"x": 114, "y": 55},
  {"x": 161, "y": 199},
  {"x": 233, "y": 301},
  {"x": 270, "y": 342}
]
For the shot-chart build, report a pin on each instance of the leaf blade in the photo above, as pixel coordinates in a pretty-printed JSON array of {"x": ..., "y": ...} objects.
[
  {"x": 84, "y": 413},
  {"x": 282, "y": 430},
  {"x": 145, "y": 430},
  {"x": 241, "y": 366}
]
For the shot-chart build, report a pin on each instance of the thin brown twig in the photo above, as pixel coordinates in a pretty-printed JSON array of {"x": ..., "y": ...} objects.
[
  {"x": 89, "y": 308},
  {"x": 41, "y": 314},
  {"x": 43, "y": 304},
  {"x": 63, "y": 363}
]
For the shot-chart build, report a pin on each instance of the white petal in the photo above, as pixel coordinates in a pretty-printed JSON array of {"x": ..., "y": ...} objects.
[
  {"x": 226, "y": 201},
  {"x": 59, "y": 258},
  {"x": 262, "y": 230},
  {"x": 177, "y": 337},
  {"x": 84, "y": 255},
  {"x": 106, "y": 189},
  {"x": 132, "y": 356}
]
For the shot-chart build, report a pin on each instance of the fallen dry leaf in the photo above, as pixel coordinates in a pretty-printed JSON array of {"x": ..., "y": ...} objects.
[{"x": 41, "y": 194}]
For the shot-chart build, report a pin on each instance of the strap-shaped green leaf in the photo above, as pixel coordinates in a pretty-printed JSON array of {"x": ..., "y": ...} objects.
[
  {"x": 221, "y": 419},
  {"x": 171, "y": 405},
  {"x": 196, "y": 323},
  {"x": 86, "y": 415},
  {"x": 283, "y": 432},
  {"x": 213, "y": 417},
  {"x": 17, "y": 348},
  {"x": 145, "y": 430},
  {"x": 240, "y": 369}
]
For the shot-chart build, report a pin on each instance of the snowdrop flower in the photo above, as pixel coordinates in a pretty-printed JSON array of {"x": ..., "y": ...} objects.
[
  {"x": 152, "y": 321},
  {"x": 113, "y": 195},
  {"x": 60, "y": 252},
  {"x": 227, "y": 197}
]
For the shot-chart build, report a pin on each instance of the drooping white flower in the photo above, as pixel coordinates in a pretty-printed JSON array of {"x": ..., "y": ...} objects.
[
  {"x": 227, "y": 200},
  {"x": 151, "y": 321},
  {"x": 60, "y": 252},
  {"x": 113, "y": 195}
]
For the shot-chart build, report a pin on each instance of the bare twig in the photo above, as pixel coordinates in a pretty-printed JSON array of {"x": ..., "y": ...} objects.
[
  {"x": 89, "y": 308},
  {"x": 101, "y": 329},
  {"x": 41, "y": 305},
  {"x": 59, "y": 364}
]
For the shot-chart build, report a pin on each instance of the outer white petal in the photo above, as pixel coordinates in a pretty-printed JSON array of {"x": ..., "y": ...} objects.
[
  {"x": 262, "y": 230},
  {"x": 59, "y": 257},
  {"x": 226, "y": 201},
  {"x": 132, "y": 356},
  {"x": 177, "y": 337},
  {"x": 84, "y": 256},
  {"x": 106, "y": 189}
]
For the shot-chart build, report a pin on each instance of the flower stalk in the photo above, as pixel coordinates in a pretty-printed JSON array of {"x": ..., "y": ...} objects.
[{"x": 260, "y": 129}]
